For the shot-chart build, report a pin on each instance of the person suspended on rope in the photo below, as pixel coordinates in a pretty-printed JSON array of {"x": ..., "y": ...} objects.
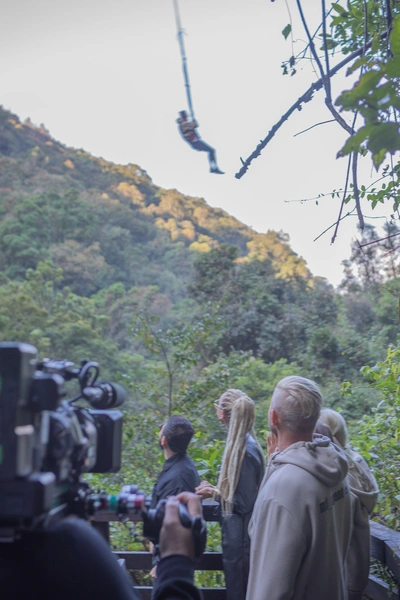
[{"x": 188, "y": 130}]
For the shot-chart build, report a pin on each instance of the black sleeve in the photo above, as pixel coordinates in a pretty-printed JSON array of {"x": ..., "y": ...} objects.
[
  {"x": 174, "y": 580},
  {"x": 248, "y": 485}
]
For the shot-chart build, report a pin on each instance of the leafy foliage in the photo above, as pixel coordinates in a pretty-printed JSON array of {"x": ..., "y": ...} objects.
[
  {"x": 176, "y": 300},
  {"x": 180, "y": 348},
  {"x": 376, "y": 93},
  {"x": 377, "y": 435}
]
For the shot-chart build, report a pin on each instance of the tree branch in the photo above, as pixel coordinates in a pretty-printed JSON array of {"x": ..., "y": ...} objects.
[
  {"x": 333, "y": 225},
  {"x": 306, "y": 97},
  {"x": 324, "y": 76},
  {"x": 343, "y": 201},
  {"x": 311, "y": 44},
  {"x": 356, "y": 191},
  {"x": 388, "y": 237},
  {"x": 391, "y": 251},
  {"x": 328, "y": 81},
  {"x": 312, "y": 127}
]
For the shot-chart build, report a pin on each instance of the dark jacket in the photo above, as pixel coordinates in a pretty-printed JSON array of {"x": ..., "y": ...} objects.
[
  {"x": 235, "y": 537},
  {"x": 71, "y": 560},
  {"x": 175, "y": 580},
  {"x": 178, "y": 475}
]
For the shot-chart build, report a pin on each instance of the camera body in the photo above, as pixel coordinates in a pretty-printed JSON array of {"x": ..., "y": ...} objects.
[
  {"x": 131, "y": 504},
  {"x": 46, "y": 441}
]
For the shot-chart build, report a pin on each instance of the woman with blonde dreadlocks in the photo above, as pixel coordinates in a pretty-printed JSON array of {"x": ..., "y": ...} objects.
[{"x": 240, "y": 476}]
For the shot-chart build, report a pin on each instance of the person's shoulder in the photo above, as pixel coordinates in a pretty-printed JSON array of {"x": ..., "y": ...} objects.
[
  {"x": 190, "y": 465},
  {"x": 253, "y": 450},
  {"x": 181, "y": 465},
  {"x": 71, "y": 526},
  {"x": 184, "y": 459},
  {"x": 189, "y": 460},
  {"x": 74, "y": 531},
  {"x": 288, "y": 480}
]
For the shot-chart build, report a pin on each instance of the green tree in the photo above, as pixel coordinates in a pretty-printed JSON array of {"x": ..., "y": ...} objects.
[
  {"x": 179, "y": 347},
  {"x": 377, "y": 435},
  {"x": 364, "y": 268},
  {"x": 363, "y": 35}
]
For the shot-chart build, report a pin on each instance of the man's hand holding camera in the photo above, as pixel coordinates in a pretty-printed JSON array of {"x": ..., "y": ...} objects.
[{"x": 174, "y": 537}]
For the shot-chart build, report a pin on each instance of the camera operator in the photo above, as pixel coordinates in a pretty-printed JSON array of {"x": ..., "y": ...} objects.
[{"x": 71, "y": 561}]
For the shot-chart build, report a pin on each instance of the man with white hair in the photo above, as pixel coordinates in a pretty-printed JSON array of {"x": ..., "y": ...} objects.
[{"x": 301, "y": 523}]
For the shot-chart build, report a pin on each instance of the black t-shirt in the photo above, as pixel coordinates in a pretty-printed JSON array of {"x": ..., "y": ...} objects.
[
  {"x": 71, "y": 561},
  {"x": 179, "y": 474}
]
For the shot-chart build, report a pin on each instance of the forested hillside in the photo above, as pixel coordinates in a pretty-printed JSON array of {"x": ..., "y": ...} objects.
[
  {"x": 83, "y": 241},
  {"x": 180, "y": 301},
  {"x": 92, "y": 252}
]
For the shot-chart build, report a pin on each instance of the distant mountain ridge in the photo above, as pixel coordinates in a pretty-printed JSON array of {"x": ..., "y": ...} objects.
[{"x": 33, "y": 164}]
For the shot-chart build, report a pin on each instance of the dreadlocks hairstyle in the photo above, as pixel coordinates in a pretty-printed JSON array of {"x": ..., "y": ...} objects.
[{"x": 239, "y": 409}]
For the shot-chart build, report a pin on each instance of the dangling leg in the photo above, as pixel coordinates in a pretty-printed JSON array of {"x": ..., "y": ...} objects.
[{"x": 203, "y": 147}]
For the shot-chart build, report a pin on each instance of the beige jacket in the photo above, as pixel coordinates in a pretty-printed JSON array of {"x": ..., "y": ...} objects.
[
  {"x": 301, "y": 525},
  {"x": 365, "y": 492}
]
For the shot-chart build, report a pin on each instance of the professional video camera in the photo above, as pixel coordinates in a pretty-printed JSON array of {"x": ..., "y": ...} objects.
[{"x": 47, "y": 443}]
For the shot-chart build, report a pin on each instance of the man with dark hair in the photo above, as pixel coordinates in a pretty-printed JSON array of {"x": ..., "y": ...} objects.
[
  {"x": 179, "y": 473},
  {"x": 188, "y": 130}
]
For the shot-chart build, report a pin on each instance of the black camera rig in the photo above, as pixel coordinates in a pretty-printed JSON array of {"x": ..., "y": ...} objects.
[{"x": 47, "y": 442}]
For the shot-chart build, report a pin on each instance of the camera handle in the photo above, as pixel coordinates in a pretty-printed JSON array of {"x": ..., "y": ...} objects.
[
  {"x": 133, "y": 505},
  {"x": 152, "y": 523}
]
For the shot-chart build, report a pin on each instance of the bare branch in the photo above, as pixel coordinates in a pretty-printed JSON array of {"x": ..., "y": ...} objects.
[
  {"x": 327, "y": 80},
  {"x": 306, "y": 97},
  {"x": 324, "y": 76},
  {"x": 391, "y": 251},
  {"x": 311, "y": 43},
  {"x": 356, "y": 191},
  {"x": 379, "y": 240},
  {"x": 333, "y": 225},
  {"x": 343, "y": 201},
  {"x": 389, "y": 22},
  {"x": 312, "y": 126},
  {"x": 302, "y": 200},
  {"x": 365, "y": 24},
  {"x": 338, "y": 117}
]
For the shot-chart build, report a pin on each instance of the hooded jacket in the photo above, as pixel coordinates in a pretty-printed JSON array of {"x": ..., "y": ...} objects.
[
  {"x": 301, "y": 525},
  {"x": 365, "y": 492}
]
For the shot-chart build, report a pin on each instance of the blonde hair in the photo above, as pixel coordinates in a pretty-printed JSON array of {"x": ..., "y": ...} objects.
[
  {"x": 239, "y": 409},
  {"x": 336, "y": 425},
  {"x": 298, "y": 404},
  {"x": 338, "y": 428}
]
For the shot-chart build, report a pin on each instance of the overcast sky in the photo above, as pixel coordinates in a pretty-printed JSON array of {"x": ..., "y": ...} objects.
[{"x": 106, "y": 76}]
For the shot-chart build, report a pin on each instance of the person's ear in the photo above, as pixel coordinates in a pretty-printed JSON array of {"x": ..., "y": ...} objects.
[
  {"x": 163, "y": 441},
  {"x": 274, "y": 417}
]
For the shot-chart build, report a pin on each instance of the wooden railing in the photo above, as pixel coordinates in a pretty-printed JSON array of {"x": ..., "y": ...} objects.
[{"x": 385, "y": 547}]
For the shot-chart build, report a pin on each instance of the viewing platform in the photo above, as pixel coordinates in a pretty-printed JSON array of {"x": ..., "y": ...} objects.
[{"x": 385, "y": 548}]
